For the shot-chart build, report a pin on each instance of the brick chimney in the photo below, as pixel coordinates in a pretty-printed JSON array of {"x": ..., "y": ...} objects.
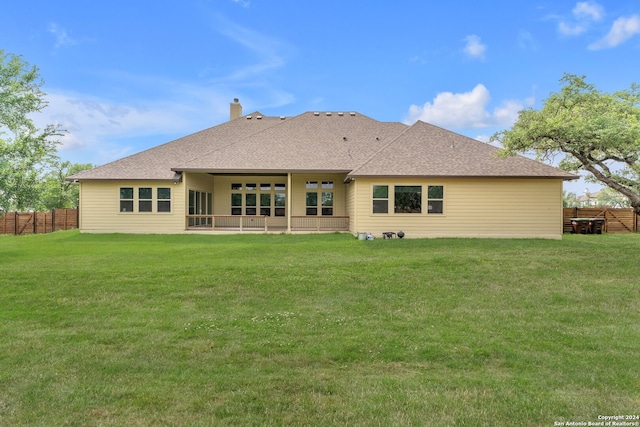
[{"x": 235, "y": 109}]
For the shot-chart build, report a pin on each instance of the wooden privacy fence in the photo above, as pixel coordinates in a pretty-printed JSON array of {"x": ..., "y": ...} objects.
[
  {"x": 19, "y": 223},
  {"x": 617, "y": 220}
]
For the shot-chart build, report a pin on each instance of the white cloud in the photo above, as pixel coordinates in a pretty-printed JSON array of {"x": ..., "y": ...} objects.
[
  {"x": 622, "y": 30},
  {"x": 474, "y": 47},
  {"x": 243, "y": 3},
  {"x": 101, "y": 128},
  {"x": 104, "y": 129},
  {"x": 269, "y": 52},
  {"x": 61, "y": 35},
  {"x": 526, "y": 40},
  {"x": 571, "y": 29},
  {"x": 588, "y": 10},
  {"x": 584, "y": 13},
  {"x": 457, "y": 110},
  {"x": 466, "y": 110},
  {"x": 507, "y": 114}
]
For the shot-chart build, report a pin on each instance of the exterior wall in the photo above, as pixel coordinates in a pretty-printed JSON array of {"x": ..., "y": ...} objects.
[
  {"x": 222, "y": 194},
  {"x": 351, "y": 205},
  {"x": 100, "y": 209},
  {"x": 472, "y": 208},
  {"x": 220, "y": 187},
  {"x": 299, "y": 191},
  {"x": 100, "y": 201},
  {"x": 199, "y": 182}
]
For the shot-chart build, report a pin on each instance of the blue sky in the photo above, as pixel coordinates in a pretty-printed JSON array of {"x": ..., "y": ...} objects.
[{"x": 123, "y": 76}]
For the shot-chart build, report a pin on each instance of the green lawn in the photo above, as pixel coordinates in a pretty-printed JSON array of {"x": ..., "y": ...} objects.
[{"x": 117, "y": 330}]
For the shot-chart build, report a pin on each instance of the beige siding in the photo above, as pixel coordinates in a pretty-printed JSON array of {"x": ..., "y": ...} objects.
[
  {"x": 299, "y": 191},
  {"x": 200, "y": 182},
  {"x": 472, "y": 208},
  {"x": 222, "y": 194},
  {"x": 100, "y": 212},
  {"x": 351, "y": 205},
  {"x": 220, "y": 186}
]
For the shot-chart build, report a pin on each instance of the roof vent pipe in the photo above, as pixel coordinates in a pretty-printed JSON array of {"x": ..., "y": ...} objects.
[{"x": 235, "y": 109}]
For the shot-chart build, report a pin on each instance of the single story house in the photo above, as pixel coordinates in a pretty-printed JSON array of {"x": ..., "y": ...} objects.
[{"x": 319, "y": 172}]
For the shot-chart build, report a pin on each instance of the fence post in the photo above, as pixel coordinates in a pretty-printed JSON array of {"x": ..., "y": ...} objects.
[{"x": 15, "y": 223}]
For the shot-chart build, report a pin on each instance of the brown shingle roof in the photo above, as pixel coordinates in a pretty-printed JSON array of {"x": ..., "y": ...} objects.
[
  {"x": 424, "y": 150},
  {"x": 156, "y": 163},
  {"x": 340, "y": 142},
  {"x": 308, "y": 142}
]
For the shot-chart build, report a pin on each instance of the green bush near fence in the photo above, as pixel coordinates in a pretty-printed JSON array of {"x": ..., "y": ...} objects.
[{"x": 317, "y": 330}]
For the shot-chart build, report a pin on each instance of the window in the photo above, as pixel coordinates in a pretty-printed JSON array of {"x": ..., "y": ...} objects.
[
  {"x": 280, "y": 203},
  {"x": 199, "y": 204},
  {"x": 380, "y": 199},
  {"x": 236, "y": 204},
  {"x": 324, "y": 197},
  {"x": 164, "y": 199},
  {"x": 145, "y": 202},
  {"x": 435, "y": 199},
  {"x": 126, "y": 199},
  {"x": 141, "y": 199},
  {"x": 312, "y": 204},
  {"x": 327, "y": 203},
  {"x": 407, "y": 199},
  {"x": 250, "y": 204},
  {"x": 265, "y": 199},
  {"x": 265, "y": 204}
]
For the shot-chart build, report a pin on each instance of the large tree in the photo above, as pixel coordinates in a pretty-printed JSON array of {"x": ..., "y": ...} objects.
[
  {"x": 55, "y": 191},
  {"x": 24, "y": 149},
  {"x": 594, "y": 131}
]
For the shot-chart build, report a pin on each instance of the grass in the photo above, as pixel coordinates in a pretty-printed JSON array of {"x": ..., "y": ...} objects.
[{"x": 317, "y": 330}]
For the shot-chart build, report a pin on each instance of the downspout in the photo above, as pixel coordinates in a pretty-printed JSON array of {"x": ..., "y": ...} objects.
[
  {"x": 80, "y": 203},
  {"x": 289, "y": 192}
]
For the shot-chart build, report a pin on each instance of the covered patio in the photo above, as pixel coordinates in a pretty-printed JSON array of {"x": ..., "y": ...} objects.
[{"x": 274, "y": 202}]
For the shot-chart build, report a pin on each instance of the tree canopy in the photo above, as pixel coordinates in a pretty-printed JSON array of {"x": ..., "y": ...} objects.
[
  {"x": 55, "y": 191},
  {"x": 24, "y": 149},
  {"x": 595, "y": 132}
]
